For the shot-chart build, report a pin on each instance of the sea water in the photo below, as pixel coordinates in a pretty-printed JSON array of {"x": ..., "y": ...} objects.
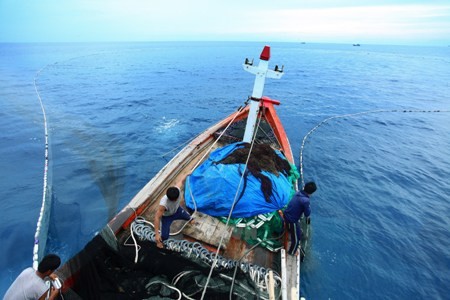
[{"x": 118, "y": 112}]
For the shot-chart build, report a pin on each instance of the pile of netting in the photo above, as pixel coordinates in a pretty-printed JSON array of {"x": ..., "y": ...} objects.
[
  {"x": 104, "y": 273},
  {"x": 262, "y": 158}
]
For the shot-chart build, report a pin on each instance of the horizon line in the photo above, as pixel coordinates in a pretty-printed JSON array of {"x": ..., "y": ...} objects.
[{"x": 225, "y": 41}]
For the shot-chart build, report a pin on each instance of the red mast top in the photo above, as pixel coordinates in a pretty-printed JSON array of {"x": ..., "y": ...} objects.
[{"x": 265, "y": 54}]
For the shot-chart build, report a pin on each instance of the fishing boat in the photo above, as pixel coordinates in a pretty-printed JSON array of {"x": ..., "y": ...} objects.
[{"x": 235, "y": 179}]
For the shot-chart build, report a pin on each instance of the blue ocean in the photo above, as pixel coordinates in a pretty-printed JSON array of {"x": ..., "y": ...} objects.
[{"x": 117, "y": 112}]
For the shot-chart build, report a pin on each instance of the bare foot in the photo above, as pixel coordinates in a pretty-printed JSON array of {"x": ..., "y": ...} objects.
[{"x": 159, "y": 244}]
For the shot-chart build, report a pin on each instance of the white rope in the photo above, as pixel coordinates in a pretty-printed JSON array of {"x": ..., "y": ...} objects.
[
  {"x": 45, "y": 180},
  {"x": 206, "y": 153},
  {"x": 231, "y": 210},
  {"x": 167, "y": 285},
  {"x": 188, "y": 184},
  {"x": 345, "y": 116},
  {"x": 179, "y": 146},
  {"x": 136, "y": 247},
  {"x": 40, "y": 224},
  {"x": 216, "y": 141},
  {"x": 350, "y": 115}
]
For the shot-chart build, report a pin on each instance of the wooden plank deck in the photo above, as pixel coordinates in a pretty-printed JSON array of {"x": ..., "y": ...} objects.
[
  {"x": 293, "y": 278},
  {"x": 208, "y": 230}
]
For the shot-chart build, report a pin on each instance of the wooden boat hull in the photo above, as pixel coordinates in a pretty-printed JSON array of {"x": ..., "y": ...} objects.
[{"x": 207, "y": 231}]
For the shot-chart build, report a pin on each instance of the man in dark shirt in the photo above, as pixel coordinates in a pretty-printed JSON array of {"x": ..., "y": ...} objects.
[{"x": 298, "y": 206}]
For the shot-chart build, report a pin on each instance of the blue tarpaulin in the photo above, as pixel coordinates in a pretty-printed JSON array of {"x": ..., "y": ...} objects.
[{"x": 214, "y": 188}]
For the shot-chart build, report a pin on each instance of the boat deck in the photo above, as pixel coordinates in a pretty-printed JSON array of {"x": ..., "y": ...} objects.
[
  {"x": 250, "y": 244},
  {"x": 209, "y": 230}
]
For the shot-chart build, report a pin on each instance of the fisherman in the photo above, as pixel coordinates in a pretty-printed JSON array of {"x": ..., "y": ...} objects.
[
  {"x": 31, "y": 284},
  {"x": 298, "y": 206},
  {"x": 168, "y": 211}
]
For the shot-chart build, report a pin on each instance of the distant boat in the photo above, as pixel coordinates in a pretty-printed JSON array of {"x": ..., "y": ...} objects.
[
  {"x": 356, "y": 45},
  {"x": 244, "y": 254}
]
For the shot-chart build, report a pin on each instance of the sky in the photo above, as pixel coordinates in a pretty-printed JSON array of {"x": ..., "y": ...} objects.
[{"x": 399, "y": 22}]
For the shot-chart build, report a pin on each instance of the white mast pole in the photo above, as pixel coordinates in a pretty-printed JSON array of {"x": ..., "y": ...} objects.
[{"x": 261, "y": 72}]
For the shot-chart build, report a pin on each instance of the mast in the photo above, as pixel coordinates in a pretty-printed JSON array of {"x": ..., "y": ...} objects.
[{"x": 261, "y": 73}]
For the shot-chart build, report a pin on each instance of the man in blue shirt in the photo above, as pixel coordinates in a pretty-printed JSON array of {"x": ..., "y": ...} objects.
[{"x": 298, "y": 206}]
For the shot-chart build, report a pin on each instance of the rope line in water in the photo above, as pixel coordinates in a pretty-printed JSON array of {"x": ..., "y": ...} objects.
[
  {"x": 45, "y": 180},
  {"x": 37, "y": 252},
  {"x": 353, "y": 115},
  {"x": 344, "y": 116}
]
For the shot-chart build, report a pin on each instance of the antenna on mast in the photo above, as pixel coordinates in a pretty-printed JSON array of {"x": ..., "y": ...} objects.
[{"x": 261, "y": 72}]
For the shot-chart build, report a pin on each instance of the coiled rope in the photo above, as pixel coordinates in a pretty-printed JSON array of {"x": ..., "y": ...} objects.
[
  {"x": 144, "y": 231},
  {"x": 352, "y": 115}
]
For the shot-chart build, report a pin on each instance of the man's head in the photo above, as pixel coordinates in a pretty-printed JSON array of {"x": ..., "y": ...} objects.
[
  {"x": 49, "y": 263},
  {"x": 173, "y": 193},
  {"x": 310, "y": 188}
]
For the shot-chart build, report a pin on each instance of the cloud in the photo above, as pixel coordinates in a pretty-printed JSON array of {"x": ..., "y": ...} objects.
[
  {"x": 263, "y": 20},
  {"x": 374, "y": 22}
]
